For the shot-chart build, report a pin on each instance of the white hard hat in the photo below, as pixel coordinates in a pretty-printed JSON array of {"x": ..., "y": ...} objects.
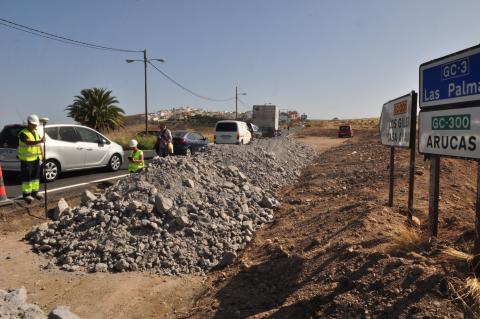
[
  {"x": 132, "y": 143},
  {"x": 33, "y": 119}
]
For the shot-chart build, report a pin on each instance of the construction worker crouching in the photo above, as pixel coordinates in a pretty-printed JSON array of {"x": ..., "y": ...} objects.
[
  {"x": 30, "y": 153},
  {"x": 136, "y": 161}
]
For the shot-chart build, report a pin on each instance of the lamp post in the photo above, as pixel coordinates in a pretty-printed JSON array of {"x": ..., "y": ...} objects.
[
  {"x": 236, "y": 101},
  {"x": 145, "y": 61}
]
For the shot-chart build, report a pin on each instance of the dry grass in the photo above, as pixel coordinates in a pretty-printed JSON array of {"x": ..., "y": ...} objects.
[
  {"x": 467, "y": 292},
  {"x": 452, "y": 255},
  {"x": 406, "y": 240}
]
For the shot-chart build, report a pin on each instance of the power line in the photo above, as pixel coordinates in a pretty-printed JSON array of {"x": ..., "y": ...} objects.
[
  {"x": 188, "y": 90},
  {"x": 43, "y": 34}
]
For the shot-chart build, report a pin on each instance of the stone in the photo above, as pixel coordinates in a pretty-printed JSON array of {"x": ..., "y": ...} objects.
[
  {"x": 60, "y": 209},
  {"x": 182, "y": 220},
  {"x": 188, "y": 183},
  {"x": 121, "y": 265},
  {"x": 228, "y": 258},
  {"x": 101, "y": 267},
  {"x": 17, "y": 296},
  {"x": 267, "y": 202},
  {"x": 163, "y": 204},
  {"x": 62, "y": 312},
  {"x": 87, "y": 196}
]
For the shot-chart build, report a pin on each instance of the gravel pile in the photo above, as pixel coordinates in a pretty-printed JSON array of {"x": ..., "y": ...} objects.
[
  {"x": 13, "y": 305},
  {"x": 180, "y": 215}
]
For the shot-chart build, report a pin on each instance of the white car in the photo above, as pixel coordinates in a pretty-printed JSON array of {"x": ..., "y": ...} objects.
[
  {"x": 69, "y": 147},
  {"x": 232, "y": 132}
]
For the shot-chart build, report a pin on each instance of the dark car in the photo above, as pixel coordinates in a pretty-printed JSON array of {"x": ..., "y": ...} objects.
[
  {"x": 254, "y": 130},
  {"x": 345, "y": 131},
  {"x": 187, "y": 143}
]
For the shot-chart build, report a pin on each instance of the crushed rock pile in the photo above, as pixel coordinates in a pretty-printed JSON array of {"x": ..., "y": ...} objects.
[
  {"x": 13, "y": 304},
  {"x": 180, "y": 215}
]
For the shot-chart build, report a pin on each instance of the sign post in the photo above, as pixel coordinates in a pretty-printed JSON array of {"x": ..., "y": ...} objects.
[
  {"x": 392, "y": 176},
  {"x": 450, "y": 120},
  {"x": 433, "y": 193},
  {"x": 398, "y": 129}
]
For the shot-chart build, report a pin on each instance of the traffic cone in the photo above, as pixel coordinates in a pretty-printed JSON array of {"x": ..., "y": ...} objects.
[{"x": 3, "y": 193}]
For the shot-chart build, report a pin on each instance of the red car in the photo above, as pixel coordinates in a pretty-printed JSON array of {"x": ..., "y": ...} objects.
[{"x": 345, "y": 131}]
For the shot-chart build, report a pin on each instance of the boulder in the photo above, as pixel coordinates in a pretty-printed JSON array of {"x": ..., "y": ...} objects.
[
  {"x": 163, "y": 204},
  {"x": 60, "y": 209}
]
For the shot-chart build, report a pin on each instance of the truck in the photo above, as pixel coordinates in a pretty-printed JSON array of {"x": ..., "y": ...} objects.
[{"x": 266, "y": 118}]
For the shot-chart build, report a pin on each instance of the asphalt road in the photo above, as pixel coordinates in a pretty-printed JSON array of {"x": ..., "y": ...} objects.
[{"x": 71, "y": 181}]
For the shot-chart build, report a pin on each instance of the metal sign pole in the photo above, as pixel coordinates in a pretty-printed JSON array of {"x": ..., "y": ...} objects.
[
  {"x": 434, "y": 191},
  {"x": 476, "y": 247},
  {"x": 413, "y": 141},
  {"x": 45, "y": 171},
  {"x": 392, "y": 164}
]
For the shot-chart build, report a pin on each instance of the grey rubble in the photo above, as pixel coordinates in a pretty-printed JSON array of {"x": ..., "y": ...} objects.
[
  {"x": 13, "y": 304},
  {"x": 181, "y": 215}
]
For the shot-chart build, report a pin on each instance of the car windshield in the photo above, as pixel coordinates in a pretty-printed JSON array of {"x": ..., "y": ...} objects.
[
  {"x": 9, "y": 136},
  {"x": 344, "y": 128},
  {"x": 226, "y": 127}
]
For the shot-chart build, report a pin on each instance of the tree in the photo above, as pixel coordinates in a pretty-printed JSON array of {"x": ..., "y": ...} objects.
[{"x": 96, "y": 108}]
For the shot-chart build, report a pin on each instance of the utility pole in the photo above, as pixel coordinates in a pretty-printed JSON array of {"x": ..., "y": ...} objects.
[
  {"x": 145, "y": 61},
  {"x": 146, "y": 107},
  {"x": 236, "y": 103}
]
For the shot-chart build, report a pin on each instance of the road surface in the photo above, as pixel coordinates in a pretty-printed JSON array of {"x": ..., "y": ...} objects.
[{"x": 71, "y": 180}]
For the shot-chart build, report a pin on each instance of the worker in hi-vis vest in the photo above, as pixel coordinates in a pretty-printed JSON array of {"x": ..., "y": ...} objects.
[
  {"x": 136, "y": 161},
  {"x": 30, "y": 153}
]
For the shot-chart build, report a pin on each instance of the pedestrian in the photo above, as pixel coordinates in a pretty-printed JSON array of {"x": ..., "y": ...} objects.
[
  {"x": 164, "y": 144},
  {"x": 30, "y": 153},
  {"x": 136, "y": 160}
]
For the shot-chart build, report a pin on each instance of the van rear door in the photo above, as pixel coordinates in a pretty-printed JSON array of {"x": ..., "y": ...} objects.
[{"x": 226, "y": 132}]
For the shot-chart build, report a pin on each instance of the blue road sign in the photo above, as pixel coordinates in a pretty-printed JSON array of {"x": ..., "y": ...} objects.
[{"x": 451, "y": 79}]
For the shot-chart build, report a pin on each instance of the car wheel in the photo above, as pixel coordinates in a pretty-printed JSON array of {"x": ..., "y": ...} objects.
[
  {"x": 50, "y": 170},
  {"x": 115, "y": 162},
  {"x": 188, "y": 152}
]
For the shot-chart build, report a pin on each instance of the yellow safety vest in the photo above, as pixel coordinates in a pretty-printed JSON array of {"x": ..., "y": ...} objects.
[
  {"x": 29, "y": 153},
  {"x": 133, "y": 167}
]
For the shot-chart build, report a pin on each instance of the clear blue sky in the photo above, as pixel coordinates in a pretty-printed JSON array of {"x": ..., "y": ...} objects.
[{"x": 325, "y": 58}]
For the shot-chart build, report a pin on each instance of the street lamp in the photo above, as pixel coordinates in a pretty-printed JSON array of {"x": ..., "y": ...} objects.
[
  {"x": 145, "y": 61},
  {"x": 236, "y": 101}
]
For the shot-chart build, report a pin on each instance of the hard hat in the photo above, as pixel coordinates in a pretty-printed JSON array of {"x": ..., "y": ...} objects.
[
  {"x": 132, "y": 143},
  {"x": 33, "y": 119}
]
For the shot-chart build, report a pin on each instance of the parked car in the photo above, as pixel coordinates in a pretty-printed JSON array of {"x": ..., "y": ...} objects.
[
  {"x": 232, "y": 132},
  {"x": 254, "y": 130},
  {"x": 345, "y": 131},
  {"x": 69, "y": 147},
  {"x": 187, "y": 143}
]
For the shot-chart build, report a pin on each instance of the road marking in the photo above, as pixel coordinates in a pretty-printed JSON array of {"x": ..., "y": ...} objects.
[{"x": 77, "y": 185}]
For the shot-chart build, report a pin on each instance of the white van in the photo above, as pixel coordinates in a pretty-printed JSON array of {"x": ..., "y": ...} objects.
[{"x": 232, "y": 132}]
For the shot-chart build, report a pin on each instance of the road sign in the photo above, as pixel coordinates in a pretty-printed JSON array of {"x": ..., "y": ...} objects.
[
  {"x": 452, "y": 79},
  {"x": 453, "y": 132},
  {"x": 396, "y": 121}
]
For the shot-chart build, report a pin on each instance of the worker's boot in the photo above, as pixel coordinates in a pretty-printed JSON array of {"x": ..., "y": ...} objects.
[{"x": 28, "y": 198}]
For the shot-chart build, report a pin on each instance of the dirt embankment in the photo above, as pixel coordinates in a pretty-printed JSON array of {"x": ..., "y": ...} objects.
[{"x": 336, "y": 251}]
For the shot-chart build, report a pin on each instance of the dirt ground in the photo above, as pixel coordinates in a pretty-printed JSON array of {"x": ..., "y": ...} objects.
[{"x": 335, "y": 250}]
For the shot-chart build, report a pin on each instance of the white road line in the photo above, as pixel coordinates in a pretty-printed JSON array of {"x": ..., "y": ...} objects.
[{"x": 77, "y": 185}]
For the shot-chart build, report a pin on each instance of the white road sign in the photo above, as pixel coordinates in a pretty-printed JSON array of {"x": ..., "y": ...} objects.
[
  {"x": 454, "y": 132},
  {"x": 395, "y": 122}
]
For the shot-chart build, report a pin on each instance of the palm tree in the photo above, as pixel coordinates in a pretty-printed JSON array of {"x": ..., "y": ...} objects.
[{"x": 96, "y": 108}]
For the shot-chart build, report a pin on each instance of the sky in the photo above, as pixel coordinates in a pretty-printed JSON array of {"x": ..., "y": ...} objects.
[{"x": 327, "y": 59}]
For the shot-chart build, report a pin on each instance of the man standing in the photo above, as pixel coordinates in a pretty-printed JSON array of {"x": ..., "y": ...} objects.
[
  {"x": 30, "y": 154},
  {"x": 164, "y": 141}
]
